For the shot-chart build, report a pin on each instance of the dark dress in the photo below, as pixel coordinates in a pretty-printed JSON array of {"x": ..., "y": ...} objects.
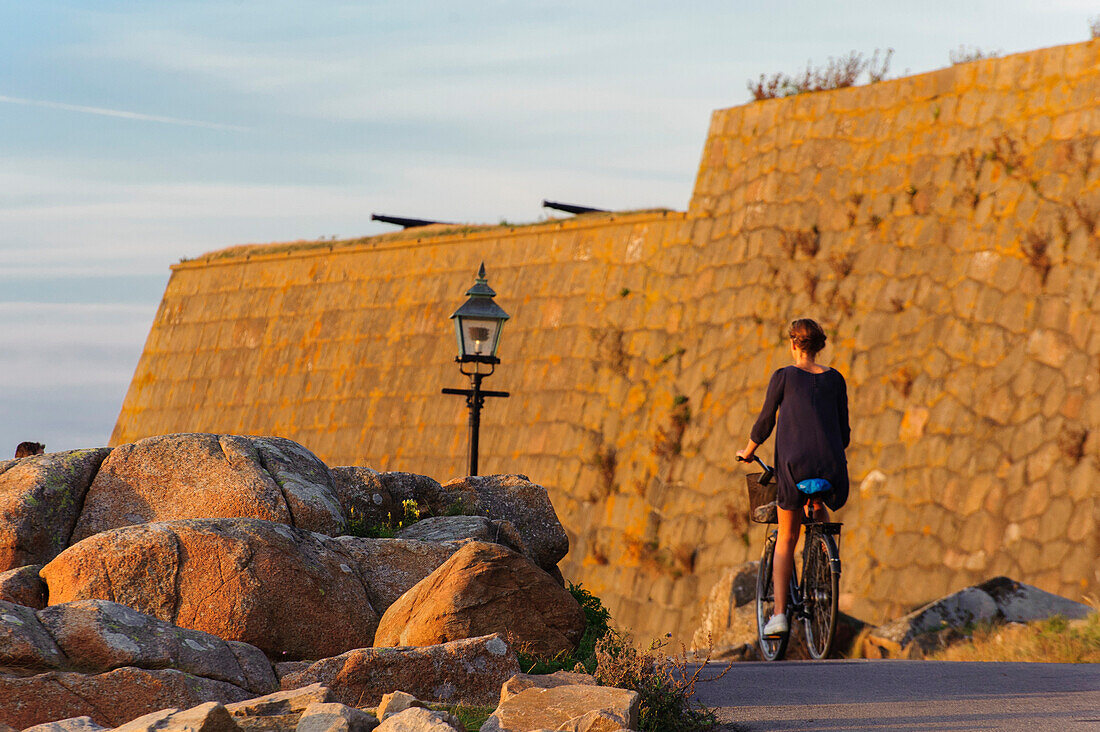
[{"x": 813, "y": 432}]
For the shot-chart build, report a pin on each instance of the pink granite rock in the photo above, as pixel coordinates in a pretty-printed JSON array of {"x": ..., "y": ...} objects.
[
  {"x": 110, "y": 699},
  {"x": 196, "y": 475},
  {"x": 259, "y": 582},
  {"x": 467, "y": 672},
  {"x": 40, "y": 501}
]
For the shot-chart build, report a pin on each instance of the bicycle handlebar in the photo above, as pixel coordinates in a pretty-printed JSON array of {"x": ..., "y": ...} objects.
[{"x": 768, "y": 472}]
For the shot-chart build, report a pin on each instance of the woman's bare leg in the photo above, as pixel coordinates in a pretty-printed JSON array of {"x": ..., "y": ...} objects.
[{"x": 790, "y": 525}]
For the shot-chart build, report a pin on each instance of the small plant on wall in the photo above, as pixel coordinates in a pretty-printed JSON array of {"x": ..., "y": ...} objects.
[
  {"x": 1071, "y": 441},
  {"x": 902, "y": 380},
  {"x": 1035, "y": 248},
  {"x": 1039, "y": 244},
  {"x": 612, "y": 349},
  {"x": 842, "y": 264},
  {"x": 605, "y": 460},
  {"x": 964, "y": 55},
  {"x": 837, "y": 73},
  {"x": 669, "y": 442}
]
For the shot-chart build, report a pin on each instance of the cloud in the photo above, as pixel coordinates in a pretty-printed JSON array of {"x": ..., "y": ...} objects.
[
  {"x": 83, "y": 224},
  {"x": 51, "y": 345},
  {"x": 122, "y": 114}
]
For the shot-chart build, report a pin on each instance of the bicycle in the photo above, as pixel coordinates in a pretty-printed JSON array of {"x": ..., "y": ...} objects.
[{"x": 814, "y": 600}]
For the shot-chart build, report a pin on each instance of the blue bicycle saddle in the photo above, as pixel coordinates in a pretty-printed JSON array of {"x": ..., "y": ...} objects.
[{"x": 814, "y": 485}]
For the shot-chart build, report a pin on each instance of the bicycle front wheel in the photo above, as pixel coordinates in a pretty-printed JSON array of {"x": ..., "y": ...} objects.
[
  {"x": 821, "y": 590},
  {"x": 772, "y": 649}
]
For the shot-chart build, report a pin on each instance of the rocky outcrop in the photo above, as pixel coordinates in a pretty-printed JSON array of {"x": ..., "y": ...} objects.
[
  {"x": 361, "y": 495},
  {"x": 389, "y": 567},
  {"x": 514, "y": 498},
  {"x": 247, "y": 580},
  {"x": 97, "y": 636},
  {"x": 141, "y": 618},
  {"x": 196, "y": 475},
  {"x": 110, "y": 699},
  {"x": 482, "y": 589},
  {"x": 458, "y": 528},
  {"x": 466, "y": 672},
  {"x": 566, "y": 706},
  {"x": 419, "y": 488},
  {"x": 305, "y": 482},
  {"x": 23, "y": 586},
  {"x": 40, "y": 501},
  {"x": 26, "y": 647},
  {"x": 997, "y": 600},
  {"x": 728, "y": 618},
  {"x": 94, "y": 636}
]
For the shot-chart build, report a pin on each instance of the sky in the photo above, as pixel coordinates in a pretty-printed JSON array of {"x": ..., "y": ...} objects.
[{"x": 134, "y": 134}]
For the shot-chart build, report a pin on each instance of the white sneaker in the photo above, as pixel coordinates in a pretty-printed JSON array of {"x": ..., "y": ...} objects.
[{"x": 776, "y": 626}]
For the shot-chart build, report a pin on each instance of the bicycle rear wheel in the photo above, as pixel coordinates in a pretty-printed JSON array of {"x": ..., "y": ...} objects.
[
  {"x": 820, "y": 590},
  {"x": 772, "y": 649}
]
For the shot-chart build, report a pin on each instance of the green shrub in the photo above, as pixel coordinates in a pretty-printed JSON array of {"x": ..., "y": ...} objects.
[
  {"x": 461, "y": 507},
  {"x": 596, "y": 618},
  {"x": 357, "y": 524}
]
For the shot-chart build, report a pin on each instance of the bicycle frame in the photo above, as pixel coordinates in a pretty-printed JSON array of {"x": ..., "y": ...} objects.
[{"x": 812, "y": 594}]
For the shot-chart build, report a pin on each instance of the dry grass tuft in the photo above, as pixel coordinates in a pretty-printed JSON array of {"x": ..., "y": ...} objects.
[
  {"x": 665, "y": 683},
  {"x": 1055, "y": 640}
]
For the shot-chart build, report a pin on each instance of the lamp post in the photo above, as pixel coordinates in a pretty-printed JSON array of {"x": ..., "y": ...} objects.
[{"x": 477, "y": 324}]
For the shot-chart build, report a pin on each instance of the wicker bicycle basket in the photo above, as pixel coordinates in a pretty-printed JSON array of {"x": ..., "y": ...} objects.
[{"x": 762, "y": 506}]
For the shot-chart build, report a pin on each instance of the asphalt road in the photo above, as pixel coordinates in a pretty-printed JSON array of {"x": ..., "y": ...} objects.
[{"x": 905, "y": 695}]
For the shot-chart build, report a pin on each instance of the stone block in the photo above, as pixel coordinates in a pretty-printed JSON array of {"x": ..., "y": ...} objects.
[
  {"x": 288, "y": 701},
  {"x": 72, "y": 724},
  {"x": 561, "y": 706},
  {"x": 417, "y": 719},
  {"x": 331, "y": 717},
  {"x": 207, "y": 717}
]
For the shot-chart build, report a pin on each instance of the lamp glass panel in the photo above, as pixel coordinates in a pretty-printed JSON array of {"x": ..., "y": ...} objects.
[{"x": 479, "y": 336}]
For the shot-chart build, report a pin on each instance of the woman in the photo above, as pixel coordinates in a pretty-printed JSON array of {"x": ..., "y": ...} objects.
[{"x": 813, "y": 433}]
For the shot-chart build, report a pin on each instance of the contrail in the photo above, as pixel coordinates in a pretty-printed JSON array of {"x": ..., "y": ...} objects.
[{"x": 123, "y": 114}]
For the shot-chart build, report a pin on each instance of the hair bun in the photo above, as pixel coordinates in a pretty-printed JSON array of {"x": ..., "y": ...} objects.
[{"x": 806, "y": 335}]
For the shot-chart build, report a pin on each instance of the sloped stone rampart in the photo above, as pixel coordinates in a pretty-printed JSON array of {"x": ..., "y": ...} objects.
[{"x": 943, "y": 227}]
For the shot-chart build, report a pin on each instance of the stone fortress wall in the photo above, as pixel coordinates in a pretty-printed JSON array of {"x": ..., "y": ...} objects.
[{"x": 945, "y": 228}]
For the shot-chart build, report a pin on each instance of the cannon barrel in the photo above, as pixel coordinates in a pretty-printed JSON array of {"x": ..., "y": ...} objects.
[
  {"x": 403, "y": 222},
  {"x": 572, "y": 208}
]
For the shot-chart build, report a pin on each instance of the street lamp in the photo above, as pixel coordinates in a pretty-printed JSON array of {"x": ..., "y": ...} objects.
[{"x": 477, "y": 324}]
